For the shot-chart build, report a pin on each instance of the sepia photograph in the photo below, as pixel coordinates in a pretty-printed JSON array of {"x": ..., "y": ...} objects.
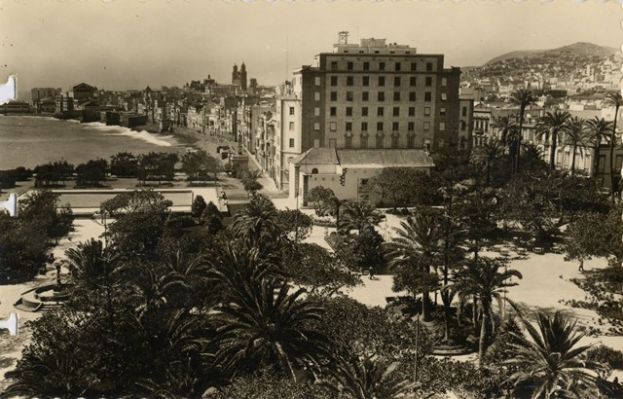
[{"x": 311, "y": 199}]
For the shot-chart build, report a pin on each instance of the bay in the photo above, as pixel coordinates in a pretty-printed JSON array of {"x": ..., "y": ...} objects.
[{"x": 29, "y": 141}]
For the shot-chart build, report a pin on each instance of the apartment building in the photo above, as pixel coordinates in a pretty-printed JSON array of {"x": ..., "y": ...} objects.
[
  {"x": 378, "y": 95},
  {"x": 288, "y": 138}
]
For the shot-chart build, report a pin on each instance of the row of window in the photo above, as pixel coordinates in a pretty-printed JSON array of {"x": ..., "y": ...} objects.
[
  {"x": 380, "y": 126},
  {"x": 381, "y": 80},
  {"x": 380, "y": 96},
  {"x": 380, "y": 111},
  {"x": 380, "y": 141},
  {"x": 380, "y": 66}
]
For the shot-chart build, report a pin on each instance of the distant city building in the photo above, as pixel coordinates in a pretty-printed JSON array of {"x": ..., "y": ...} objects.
[
  {"x": 83, "y": 92},
  {"x": 39, "y": 93},
  {"x": 239, "y": 77},
  {"x": 15, "y": 107}
]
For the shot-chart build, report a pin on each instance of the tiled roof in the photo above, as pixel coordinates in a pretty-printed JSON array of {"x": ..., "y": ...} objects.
[
  {"x": 365, "y": 158},
  {"x": 384, "y": 158},
  {"x": 316, "y": 156}
]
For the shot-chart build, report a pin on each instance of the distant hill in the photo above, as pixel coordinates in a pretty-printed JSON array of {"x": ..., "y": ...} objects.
[{"x": 579, "y": 49}]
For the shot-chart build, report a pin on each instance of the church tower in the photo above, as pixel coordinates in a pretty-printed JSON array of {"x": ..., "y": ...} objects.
[
  {"x": 243, "y": 77},
  {"x": 235, "y": 76}
]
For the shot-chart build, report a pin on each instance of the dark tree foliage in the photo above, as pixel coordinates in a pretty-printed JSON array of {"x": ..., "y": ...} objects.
[
  {"x": 52, "y": 173},
  {"x": 199, "y": 165},
  {"x": 405, "y": 187},
  {"x": 251, "y": 185},
  {"x": 92, "y": 173},
  {"x": 368, "y": 251},
  {"x": 7, "y": 179},
  {"x": 269, "y": 386},
  {"x": 294, "y": 224},
  {"x": 325, "y": 202},
  {"x": 123, "y": 164},
  {"x": 212, "y": 218},
  {"x": 23, "y": 249},
  {"x": 258, "y": 223},
  {"x": 21, "y": 173},
  {"x": 140, "y": 221},
  {"x": 586, "y": 237},
  {"x": 543, "y": 203},
  {"x": 156, "y": 166},
  {"x": 436, "y": 375},
  {"x": 369, "y": 330},
  {"x": 198, "y": 206},
  {"x": 316, "y": 269},
  {"x": 41, "y": 209}
]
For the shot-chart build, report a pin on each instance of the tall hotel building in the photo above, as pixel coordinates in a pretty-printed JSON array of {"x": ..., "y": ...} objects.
[{"x": 375, "y": 95}]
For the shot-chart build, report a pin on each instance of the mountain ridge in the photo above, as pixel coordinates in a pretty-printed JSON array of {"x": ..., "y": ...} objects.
[{"x": 579, "y": 48}]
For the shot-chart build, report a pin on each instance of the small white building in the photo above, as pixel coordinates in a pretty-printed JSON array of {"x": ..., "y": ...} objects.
[{"x": 348, "y": 171}]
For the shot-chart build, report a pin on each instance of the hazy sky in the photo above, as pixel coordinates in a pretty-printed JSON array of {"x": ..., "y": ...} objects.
[{"x": 117, "y": 44}]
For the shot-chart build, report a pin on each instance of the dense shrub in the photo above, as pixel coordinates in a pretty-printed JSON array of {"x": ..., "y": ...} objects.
[
  {"x": 607, "y": 356},
  {"x": 371, "y": 330},
  {"x": 270, "y": 386}
]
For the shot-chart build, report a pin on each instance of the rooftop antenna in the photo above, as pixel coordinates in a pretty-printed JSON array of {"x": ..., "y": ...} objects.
[{"x": 287, "y": 60}]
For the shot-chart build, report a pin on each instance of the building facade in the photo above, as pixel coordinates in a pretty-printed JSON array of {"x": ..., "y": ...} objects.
[{"x": 375, "y": 95}]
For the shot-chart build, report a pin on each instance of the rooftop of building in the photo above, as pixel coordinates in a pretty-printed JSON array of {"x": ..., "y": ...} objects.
[
  {"x": 385, "y": 158},
  {"x": 365, "y": 158}
]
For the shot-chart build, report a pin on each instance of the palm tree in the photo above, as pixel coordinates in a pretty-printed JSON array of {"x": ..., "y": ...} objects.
[
  {"x": 358, "y": 216},
  {"x": 263, "y": 324},
  {"x": 180, "y": 340},
  {"x": 549, "y": 127},
  {"x": 576, "y": 137},
  {"x": 504, "y": 124},
  {"x": 94, "y": 268},
  {"x": 417, "y": 245},
  {"x": 548, "y": 359},
  {"x": 257, "y": 221},
  {"x": 485, "y": 156},
  {"x": 615, "y": 100},
  {"x": 484, "y": 282},
  {"x": 368, "y": 378},
  {"x": 152, "y": 289},
  {"x": 523, "y": 98},
  {"x": 598, "y": 129}
]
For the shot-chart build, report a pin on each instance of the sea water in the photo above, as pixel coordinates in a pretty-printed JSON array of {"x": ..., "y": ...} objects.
[{"x": 29, "y": 141}]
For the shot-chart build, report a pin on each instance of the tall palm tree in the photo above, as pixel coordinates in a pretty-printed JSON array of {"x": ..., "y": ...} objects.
[
  {"x": 485, "y": 282},
  {"x": 523, "y": 98},
  {"x": 577, "y": 137},
  {"x": 598, "y": 129},
  {"x": 485, "y": 156},
  {"x": 417, "y": 245},
  {"x": 94, "y": 269},
  {"x": 507, "y": 127},
  {"x": 368, "y": 378},
  {"x": 358, "y": 216},
  {"x": 615, "y": 100},
  {"x": 549, "y": 127},
  {"x": 549, "y": 361},
  {"x": 504, "y": 124},
  {"x": 263, "y": 324}
]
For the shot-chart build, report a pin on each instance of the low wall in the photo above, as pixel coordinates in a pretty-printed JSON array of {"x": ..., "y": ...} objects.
[{"x": 93, "y": 198}]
